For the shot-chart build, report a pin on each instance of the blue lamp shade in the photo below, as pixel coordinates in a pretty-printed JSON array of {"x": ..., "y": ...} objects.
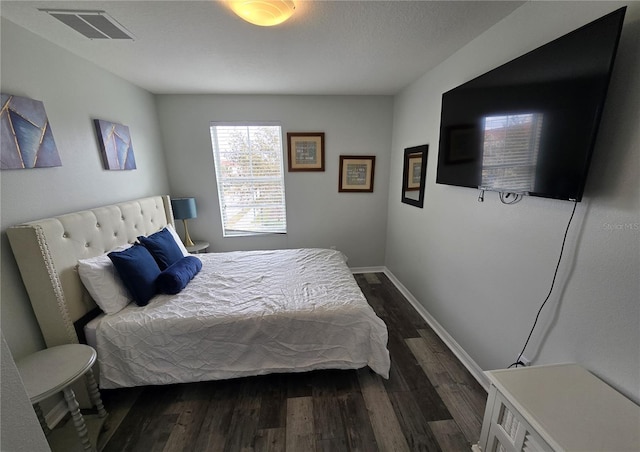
[{"x": 184, "y": 208}]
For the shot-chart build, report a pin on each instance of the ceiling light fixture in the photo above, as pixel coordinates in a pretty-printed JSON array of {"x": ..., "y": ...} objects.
[{"x": 264, "y": 13}]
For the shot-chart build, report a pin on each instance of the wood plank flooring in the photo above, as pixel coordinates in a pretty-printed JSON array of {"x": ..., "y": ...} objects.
[{"x": 429, "y": 403}]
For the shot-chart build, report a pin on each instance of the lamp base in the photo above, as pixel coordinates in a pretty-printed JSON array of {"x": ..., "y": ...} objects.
[{"x": 187, "y": 238}]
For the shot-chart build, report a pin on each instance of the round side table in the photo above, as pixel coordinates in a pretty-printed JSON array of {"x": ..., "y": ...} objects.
[
  {"x": 54, "y": 369},
  {"x": 198, "y": 246}
]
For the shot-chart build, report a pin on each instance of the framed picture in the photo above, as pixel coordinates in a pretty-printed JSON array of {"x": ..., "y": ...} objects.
[
  {"x": 414, "y": 171},
  {"x": 305, "y": 151},
  {"x": 115, "y": 144},
  {"x": 356, "y": 173},
  {"x": 414, "y": 175}
]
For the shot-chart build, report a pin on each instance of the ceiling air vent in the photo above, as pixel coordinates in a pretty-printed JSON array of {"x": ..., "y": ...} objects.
[{"x": 92, "y": 24}]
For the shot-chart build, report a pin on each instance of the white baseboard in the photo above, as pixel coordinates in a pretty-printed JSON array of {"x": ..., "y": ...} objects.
[
  {"x": 56, "y": 414},
  {"x": 356, "y": 270},
  {"x": 457, "y": 350}
]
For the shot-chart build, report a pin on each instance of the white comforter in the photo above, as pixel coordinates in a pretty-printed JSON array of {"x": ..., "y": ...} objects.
[{"x": 246, "y": 313}]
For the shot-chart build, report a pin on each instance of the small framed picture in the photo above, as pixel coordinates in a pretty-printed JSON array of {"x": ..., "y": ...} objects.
[
  {"x": 356, "y": 173},
  {"x": 306, "y": 151},
  {"x": 414, "y": 171}
]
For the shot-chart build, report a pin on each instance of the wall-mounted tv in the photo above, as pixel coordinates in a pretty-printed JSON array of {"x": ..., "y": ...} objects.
[{"x": 530, "y": 125}]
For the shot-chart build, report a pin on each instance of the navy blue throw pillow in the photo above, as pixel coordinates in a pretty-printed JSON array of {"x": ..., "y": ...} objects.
[
  {"x": 176, "y": 277},
  {"x": 138, "y": 270},
  {"x": 163, "y": 247}
]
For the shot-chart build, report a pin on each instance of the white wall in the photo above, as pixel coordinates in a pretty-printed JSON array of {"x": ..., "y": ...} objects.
[
  {"x": 74, "y": 92},
  {"x": 20, "y": 429},
  {"x": 483, "y": 269},
  {"x": 317, "y": 215}
]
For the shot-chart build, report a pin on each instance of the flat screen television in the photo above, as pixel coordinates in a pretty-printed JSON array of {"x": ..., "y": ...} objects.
[{"x": 530, "y": 125}]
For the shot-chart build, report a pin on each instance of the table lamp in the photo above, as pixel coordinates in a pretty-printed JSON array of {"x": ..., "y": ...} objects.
[{"x": 184, "y": 209}]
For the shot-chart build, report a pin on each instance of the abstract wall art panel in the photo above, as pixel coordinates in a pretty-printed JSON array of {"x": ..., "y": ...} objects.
[
  {"x": 26, "y": 139},
  {"x": 115, "y": 144}
]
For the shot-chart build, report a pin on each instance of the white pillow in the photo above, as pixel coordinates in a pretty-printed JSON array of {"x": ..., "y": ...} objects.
[
  {"x": 103, "y": 283},
  {"x": 178, "y": 240}
]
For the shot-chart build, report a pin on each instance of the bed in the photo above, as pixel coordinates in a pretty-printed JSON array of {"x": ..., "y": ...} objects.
[{"x": 245, "y": 313}]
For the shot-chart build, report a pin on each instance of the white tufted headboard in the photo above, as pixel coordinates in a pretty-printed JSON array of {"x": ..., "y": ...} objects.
[{"x": 47, "y": 252}]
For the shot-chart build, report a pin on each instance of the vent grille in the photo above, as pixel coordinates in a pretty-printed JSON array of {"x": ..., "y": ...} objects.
[{"x": 92, "y": 24}]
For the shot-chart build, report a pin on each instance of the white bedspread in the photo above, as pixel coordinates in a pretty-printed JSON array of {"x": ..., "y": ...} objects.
[{"x": 246, "y": 313}]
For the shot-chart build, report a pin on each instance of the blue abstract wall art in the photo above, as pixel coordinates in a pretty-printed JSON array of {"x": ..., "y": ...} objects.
[
  {"x": 115, "y": 144},
  {"x": 26, "y": 139}
]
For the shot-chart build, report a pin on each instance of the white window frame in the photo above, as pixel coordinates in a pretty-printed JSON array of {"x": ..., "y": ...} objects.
[{"x": 224, "y": 201}]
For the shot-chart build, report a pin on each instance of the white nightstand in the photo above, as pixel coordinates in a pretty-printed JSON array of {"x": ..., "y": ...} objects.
[
  {"x": 560, "y": 407},
  {"x": 198, "y": 246},
  {"x": 53, "y": 370}
]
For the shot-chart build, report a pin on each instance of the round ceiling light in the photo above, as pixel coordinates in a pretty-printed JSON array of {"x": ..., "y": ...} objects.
[{"x": 265, "y": 13}]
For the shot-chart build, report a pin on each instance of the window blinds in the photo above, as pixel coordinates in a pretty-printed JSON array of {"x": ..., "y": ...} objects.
[{"x": 249, "y": 171}]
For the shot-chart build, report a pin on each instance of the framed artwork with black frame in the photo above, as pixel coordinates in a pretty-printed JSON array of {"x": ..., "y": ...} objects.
[
  {"x": 305, "y": 151},
  {"x": 356, "y": 173},
  {"x": 414, "y": 175}
]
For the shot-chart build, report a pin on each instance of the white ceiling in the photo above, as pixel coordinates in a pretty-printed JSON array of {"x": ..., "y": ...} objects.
[{"x": 327, "y": 47}]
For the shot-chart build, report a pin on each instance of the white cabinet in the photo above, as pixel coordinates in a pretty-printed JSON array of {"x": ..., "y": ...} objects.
[{"x": 560, "y": 407}]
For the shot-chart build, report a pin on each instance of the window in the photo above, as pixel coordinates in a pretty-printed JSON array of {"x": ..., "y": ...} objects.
[{"x": 249, "y": 169}]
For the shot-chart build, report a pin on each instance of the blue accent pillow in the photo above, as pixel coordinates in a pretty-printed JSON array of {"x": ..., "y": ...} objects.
[
  {"x": 163, "y": 247},
  {"x": 138, "y": 270},
  {"x": 176, "y": 277}
]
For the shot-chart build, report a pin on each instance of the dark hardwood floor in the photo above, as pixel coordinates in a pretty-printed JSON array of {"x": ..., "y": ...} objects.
[{"x": 430, "y": 402}]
